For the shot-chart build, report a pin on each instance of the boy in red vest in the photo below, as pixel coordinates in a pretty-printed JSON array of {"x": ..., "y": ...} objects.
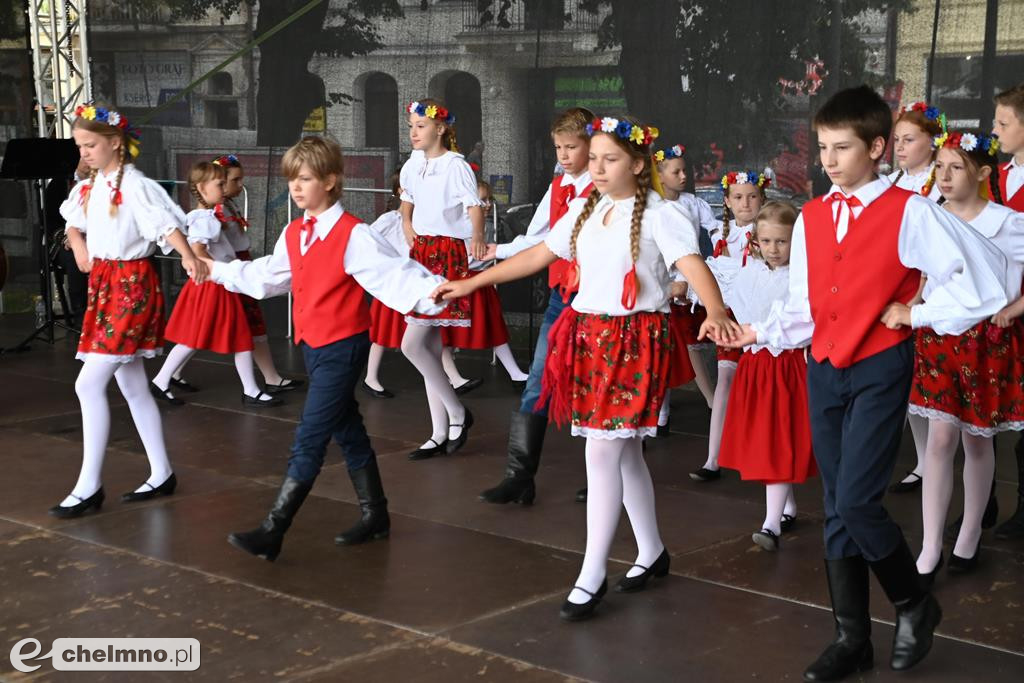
[
  {"x": 857, "y": 256},
  {"x": 1008, "y": 126},
  {"x": 327, "y": 258},
  {"x": 526, "y": 428}
]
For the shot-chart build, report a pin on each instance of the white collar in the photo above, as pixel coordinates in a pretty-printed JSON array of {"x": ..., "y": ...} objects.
[
  {"x": 580, "y": 181},
  {"x": 128, "y": 170},
  {"x": 866, "y": 194},
  {"x": 326, "y": 220},
  {"x": 1012, "y": 164},
  {"x": 989, "y": 220}
]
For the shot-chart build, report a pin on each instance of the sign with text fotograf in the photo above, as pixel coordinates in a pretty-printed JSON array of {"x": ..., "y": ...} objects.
[{"x": 140, "y": 77}]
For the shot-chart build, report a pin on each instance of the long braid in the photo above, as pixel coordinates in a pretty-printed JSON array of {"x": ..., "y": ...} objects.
[
  {"x": 588, "y": 209},
  {"x": 194, "y": 191},
  {"x": 643, "y": 186},
  {"x": 115, "y": 197},
  {"x": 993, "y": 181},
  {"x": 726, "y": 219},
  {"x": 88, "y": 190}
]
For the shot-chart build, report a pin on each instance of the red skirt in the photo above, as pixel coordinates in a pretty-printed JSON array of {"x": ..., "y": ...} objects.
[
  {"x": 689, "y": 323},
  {"x": 767, "y": 432},
  {"x": 447, "y": 257},
  {"x": 681, "y": 368},
  {"x": 488, "y": 325},
  {"x": 124, "y": 315},
  {"x": 973, "y": 380},
  {"x": 726, "y": 355},
  {"x": 607, "y": 375},
  {"x": 253, "y": 312},
  {"x": 210, "y": 318},
  {"x": 387, "y": 326}
]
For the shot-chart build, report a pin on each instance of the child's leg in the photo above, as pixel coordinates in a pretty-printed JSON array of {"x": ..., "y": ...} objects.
[
  {"x": 455, "y": 377},
  {"x": 604, "y": 501},
  {"x": 91, "y": 387},
  {"x": 265, "y": 360},
  {"x": 776, "y": 496},
  {"x": 508, "y": 361},
  {"x": 919, "y": 428},
  {"x": 373, "y": 367},
  {"x": 665, "y": 409},
  {"x": 638, "y": 498},
  {"x": 422, "y": 346},
  {"x": 176, "y": 358},
  {"x": 790, "y": 507},
  {"x": 937, "y": 489},
  {"x": 131, "y": 380},
  {"x": 721, "y": 400},
  {"x": 703, "y": 377},
  {"x": 246, "y": 373},
  {"x": 979, "y": 467}
]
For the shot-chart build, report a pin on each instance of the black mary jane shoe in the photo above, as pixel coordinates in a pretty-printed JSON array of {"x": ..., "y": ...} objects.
[
  {"x": 704, "y": 474},
  {"x": 664, "y": 431},
  {"x": 460, "y": 441},
  {"x": 164, "y": 489},
  {"x": 658, "y": 569},
  {"x": 581, "y": 495},
  {"x": 468, "y": 386},
  {"x": 928, "y": 580},
  {"x": 184, "y": 385},
  {"x": 284, "y": 385},
  {"x": 964, "y": 565},
  {"x": 907, "y": 486},
  {"x": 258, "y": 400},
  {"x": 164, "y": 395},
  {"x": 787, "y": 523},
  {"x": 381, "y": 393},
  {"x": 95, "y": 501},
  {"x": 429, "y": 451},
  {"x": 578, "y": 612},
  {"x": 766, "y": 539}
]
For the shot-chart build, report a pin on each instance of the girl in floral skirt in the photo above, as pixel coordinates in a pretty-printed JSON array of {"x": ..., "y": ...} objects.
[
  {"x": 969, "y": 385},
  {"x": 608, "y": 359},
  {"x": 115, "y": 220}
]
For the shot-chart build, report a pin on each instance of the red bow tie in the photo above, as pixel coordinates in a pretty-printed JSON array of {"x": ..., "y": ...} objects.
[
  {"x": 851, "y": 201},
  {"x": 570, "y": 193},
  {"x": 307, "y": 231}
]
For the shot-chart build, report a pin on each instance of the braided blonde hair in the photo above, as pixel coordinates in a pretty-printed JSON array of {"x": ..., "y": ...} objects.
[{"x": 201, "y": 172}]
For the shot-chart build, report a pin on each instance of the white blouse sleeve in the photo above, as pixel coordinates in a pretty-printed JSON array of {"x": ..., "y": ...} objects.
[
  {"x": 398, "y": 282},
  {"x": 73, "y": 210},
  {"x": 674, "y": 233},
  {"x": 203, "y": 227},
  {"x": 406, "y": 181},
  {"x": 706, "y": 216},
  {"x": 155, "y": 214},
  {"x": 263, "y": 278},
  {"x": 461, "y": 186},
  {"x": 1014, "y": 225},
  {"x": 560, "y": 236}
]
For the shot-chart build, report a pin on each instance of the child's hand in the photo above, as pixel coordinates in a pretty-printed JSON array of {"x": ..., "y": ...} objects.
[
  {"x": 896, "y": 315},
  {"x": 491, "y": 254},
  {"x": 677, "y": 290},
  {"x": 196, "y": 269},
  {"x": 453, "y": 289},
  {"x": 1005, "y": 317},
  {"x": 410, "y": 234},
  {"x": 478, "y": 249},
  {"x": 745, "y": 336},
  {"x": 722, "y": 329},
  {"x": 82, "y": 258}
]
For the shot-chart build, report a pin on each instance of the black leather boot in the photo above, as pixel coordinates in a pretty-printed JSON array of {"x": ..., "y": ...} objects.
[
  {"x": 1013, "y": 528},
  {"x": 265, "y": 541},
  {"x": 525, "y": 440},
  {"x": 917, "y": 611},
  {"x": 374, "y": 521},
  {"x": 851, "y": 651}
]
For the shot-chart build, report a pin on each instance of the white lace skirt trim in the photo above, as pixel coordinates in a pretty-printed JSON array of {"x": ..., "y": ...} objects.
[
  {"x": 126, "y": 358},
  {"x": 437, "y": 322},
  {"x": 594, "y": 433},
  {"x": 975, "y": 430}
]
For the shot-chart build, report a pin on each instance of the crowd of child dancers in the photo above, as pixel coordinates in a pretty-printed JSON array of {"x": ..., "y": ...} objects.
[{"x": 888, "y": 300}]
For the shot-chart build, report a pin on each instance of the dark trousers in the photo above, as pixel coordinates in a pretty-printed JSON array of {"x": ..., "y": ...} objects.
[
  {"x": 857, "y": 417},
  {"x": 331, "y": 409}
]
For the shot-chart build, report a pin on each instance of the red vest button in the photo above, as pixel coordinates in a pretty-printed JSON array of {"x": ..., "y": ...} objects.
[
  {"x": 838, "y": 256},
  {"x": 835, "y": 289},
  {"x": 831, "y": 345},
  {"x": 832, "y": 316}
]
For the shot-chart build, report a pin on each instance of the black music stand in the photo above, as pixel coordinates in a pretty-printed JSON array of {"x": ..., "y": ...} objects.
[{"x": 36, "y": 160}]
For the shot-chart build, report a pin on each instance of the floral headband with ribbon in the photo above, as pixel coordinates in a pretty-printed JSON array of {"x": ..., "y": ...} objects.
[
  {"x": 762, "y": 180},
  {"x": 227, "y": 160},
  {"x": 673, "y": 152},
  {"x": 431, "y": 111},
  {"x": 112, "y": 118},
  {"x": 968, "y": 142},
  {"x": 630, "y": 132}
]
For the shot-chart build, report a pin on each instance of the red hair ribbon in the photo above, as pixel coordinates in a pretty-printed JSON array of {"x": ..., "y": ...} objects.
[
  {"x": 83, "y": 193},
  {"x": 115, "y": 197},
  {"x": 570, "y": 280},
  {"x": 746, "y": 250},
  {"x": 720, "y": 246},
  {"x": 218, "y": 211},
  {"x": 629, "y": 289}
]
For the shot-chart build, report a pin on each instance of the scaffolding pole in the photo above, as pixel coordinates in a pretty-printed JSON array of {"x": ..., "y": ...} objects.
[{"x": 60, "y": 58}]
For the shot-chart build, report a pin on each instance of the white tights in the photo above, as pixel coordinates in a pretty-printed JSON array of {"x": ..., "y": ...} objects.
[
  {"x": 721, "y": 400},
  {"x": 91, "y": 387},
  {"x": 703, "y": 377},
  {"x": 779, "y": 500},
  {"x": 421, "y": 344},
  {"x": 919, "y": 429},
  {"x": 181, "y": 354},
  {"x": 617, "y": 476}
]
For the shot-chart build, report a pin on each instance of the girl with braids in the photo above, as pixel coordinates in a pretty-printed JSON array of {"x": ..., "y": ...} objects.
[
  {"x": 440, "y": 210},
  {"x": 912, "y": 135},
  {"x": 208, "y": 316},
  {"x": 968, "y": 386},
  {"x": 115, "y": 220},
  {"x": 235, "y": 229},
  {"x": 608, "y": 359},
  {"x": 743, "y": 198}
]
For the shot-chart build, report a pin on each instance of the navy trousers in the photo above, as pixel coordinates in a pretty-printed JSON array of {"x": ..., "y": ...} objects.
[
  {"x": 331, "y": 409},
  {"x": 857, "y": 417}
]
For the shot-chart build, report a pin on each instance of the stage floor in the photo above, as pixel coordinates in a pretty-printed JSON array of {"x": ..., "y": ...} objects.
[{"x": 462, "y": 590}]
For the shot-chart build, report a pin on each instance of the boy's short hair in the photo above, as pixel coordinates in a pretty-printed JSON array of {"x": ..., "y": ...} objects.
[
  {"x": 322, "y": 155},
  {"x": 1013, "y": 98},
  {"x": 572, "y": 122},
  {"x": 861, "y": 109}
]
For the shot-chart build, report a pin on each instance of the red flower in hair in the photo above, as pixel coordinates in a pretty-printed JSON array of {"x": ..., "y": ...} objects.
[
  {"x": 919, "y": 106},
  {"x": 442, "y": 113},
  {"x": 954, "y": 139}
]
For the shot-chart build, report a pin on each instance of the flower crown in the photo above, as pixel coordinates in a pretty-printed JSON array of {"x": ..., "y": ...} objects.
[
  {"x": 431, "y": 111},
  {"x": 229, "y": 160},
  {"x": 930, "y": 113},
  {"x": 111, "y": 118},
  {"x": 968, "y": 142},
  {"x": 673, "y": 152},
  {"x": 639, "y": 135},
  {"x": 762, "y": 180}
]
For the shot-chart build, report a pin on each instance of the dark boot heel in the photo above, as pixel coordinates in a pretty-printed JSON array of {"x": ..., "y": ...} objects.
[{"x": 374, "y": 522}]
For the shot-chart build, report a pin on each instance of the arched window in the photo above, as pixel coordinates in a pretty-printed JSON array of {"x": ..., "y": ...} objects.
[
  {"x": 380, "y": 94},
  {"x": 221, "y": 83},
  {"x": 462, "y": 96}
]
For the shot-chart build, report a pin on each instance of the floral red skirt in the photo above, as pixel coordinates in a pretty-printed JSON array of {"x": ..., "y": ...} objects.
[
  {"x": 607, "y": 375},
  {"x": 387, "y": 326},
  {"x": 447, "y": 257},
  {"x": 681, "y": 368},
  {"x": 488, "y": 325},
  {"x": 253, "y": 312},
  {"x": 124, "y": 315},
  {"x": 972, "y": 380},
  {"x": 210, "y": 318},
  {"x": 767, "y": 432}
]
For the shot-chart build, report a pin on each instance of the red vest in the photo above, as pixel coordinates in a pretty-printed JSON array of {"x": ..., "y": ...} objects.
[
  {"x": 329, "y": 304},
  {"x": 1017, "y": 201},
  {"x": 851, "y": 282},
  {"x": 560, "y": 199}
]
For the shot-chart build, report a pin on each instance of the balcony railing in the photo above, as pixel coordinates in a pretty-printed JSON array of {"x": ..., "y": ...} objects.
[{"x": 553, "y": 15}]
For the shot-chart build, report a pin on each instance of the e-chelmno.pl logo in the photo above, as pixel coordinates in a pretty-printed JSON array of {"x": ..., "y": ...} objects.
[{"x": 109, "y": 654}]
